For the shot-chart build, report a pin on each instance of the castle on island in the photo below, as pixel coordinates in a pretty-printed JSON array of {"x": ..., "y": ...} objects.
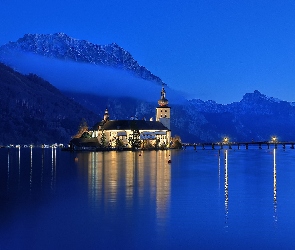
[{"x": 129, "y": 134}]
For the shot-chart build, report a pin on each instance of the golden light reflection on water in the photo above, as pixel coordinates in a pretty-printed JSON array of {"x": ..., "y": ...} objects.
[
  {"x": 163, "y": 185},
  {"x": 275, "y": 186},
  {"x": 129, "y": 177},
  {"x": 135, "y": 176},
  {"x": 94, "y": 177}
]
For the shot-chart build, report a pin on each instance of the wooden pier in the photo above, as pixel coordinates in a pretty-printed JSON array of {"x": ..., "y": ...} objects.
[{"x": 239, "y": 145}]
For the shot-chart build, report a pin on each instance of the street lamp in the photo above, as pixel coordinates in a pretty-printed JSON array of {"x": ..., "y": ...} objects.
[{"x": 225, "y": 140}]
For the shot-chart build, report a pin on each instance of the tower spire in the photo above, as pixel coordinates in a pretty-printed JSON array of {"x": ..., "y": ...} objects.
[
  {"x": 106, "y": 115},
  {"x": 163, "y": 111},
  {"x": 163, "y": 102}
]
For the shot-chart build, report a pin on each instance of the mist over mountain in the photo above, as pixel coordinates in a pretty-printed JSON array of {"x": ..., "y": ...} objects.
[
  {"x": 34, "y": 111},
  {"x": 68, "y": 64},
  {"x": 84, "y": 86}
]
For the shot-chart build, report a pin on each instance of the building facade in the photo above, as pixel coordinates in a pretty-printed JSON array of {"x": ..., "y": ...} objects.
[
  {"x": 163, "y": 113},
  {"x": 136, "y": 133}
]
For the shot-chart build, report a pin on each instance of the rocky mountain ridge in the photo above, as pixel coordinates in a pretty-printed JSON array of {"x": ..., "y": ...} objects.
[
  {"x": 62, "y": 46},
  {"x": 25, "y": 111},
  {"x": 254, "y": 103}
]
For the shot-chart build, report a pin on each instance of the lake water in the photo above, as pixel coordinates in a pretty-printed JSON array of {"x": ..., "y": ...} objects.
[{"x": 204, "y": 199}]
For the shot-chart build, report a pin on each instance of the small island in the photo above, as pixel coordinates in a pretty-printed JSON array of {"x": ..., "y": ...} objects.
[{"x": 129, "y": 134}]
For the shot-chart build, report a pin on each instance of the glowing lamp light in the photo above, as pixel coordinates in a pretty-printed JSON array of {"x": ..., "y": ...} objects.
[
  {"x": 274, "y": 139},
  {"x": 225, "y": 139}
]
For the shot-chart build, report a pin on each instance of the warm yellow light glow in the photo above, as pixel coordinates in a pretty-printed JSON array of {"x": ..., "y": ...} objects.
[
  {"x": 274, "y": 177},
  {"x": 274, "y": 139},
  {"x": 225, "y": 139},
  {"x": 112, "y": 174}
]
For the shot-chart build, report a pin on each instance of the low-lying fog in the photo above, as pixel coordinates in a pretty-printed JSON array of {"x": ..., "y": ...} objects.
[{"x": 88, "y": 78}]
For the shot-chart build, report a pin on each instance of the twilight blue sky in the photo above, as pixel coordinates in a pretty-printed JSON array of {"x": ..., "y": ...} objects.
[{"x": 210, "y": 49}]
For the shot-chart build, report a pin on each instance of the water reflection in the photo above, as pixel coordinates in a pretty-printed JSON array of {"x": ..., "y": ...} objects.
[
  {"x": 163, "y": 186},
  {"x": 275, "y": 186},
  {"x": 8, "y": 170},
  {"x": 131, "y": 176},
  {"x": 31, "y": 169},
  {"x": 219, "y": 169},
  {"x": 131, "y": 203},
  {"x": 226, "y": 186},
  {"x": 18, "y": 168},
  {"x": 26, "y": 169},
  {"x": 53, "y": 167},
  {"x": 94, "y": 178},
  {"x": 42, "y": 167}
]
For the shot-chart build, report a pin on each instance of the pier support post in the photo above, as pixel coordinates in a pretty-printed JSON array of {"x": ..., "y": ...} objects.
[
  {"x": 213, "y": 146},
  {"x": 246, "y": 145}
]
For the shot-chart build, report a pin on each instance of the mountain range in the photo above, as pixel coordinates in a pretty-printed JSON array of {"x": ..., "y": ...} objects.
[
  {"x": 61, "y": 46},
  {"x": 35, "y": 111}
]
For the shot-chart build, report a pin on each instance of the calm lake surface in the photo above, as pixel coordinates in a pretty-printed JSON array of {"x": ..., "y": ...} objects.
[{"x": 204, "y": 199}]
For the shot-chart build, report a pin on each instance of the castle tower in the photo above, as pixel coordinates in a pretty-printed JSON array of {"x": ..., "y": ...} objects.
[
  {"x": 106, "y": 115},
  {"x": 163, "y": 111}
]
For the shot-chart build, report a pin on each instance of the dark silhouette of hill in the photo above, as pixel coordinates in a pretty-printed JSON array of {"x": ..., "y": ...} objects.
[
  {"x": 256, "y": 117},
  {"x": 34, "y": 111}
]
